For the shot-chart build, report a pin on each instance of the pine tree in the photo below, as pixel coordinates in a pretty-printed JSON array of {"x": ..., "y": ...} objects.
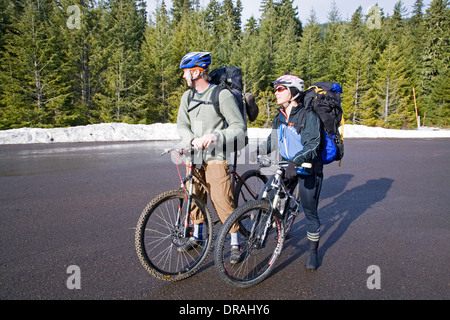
[
  {"x": 377, "y": 37},
  {"x": 356, "y": 26},
  {"x": 121, "y": 96},
  {"x": 81, "y": 42},
  {"x": 30, "y": 74},
  {"x": 336, "y": 44},
  {"x": 286, "y": 49},
  {"x": 116, "y": 65},
  {"x": 159, "y": 68},
  {"x": 392, "y": 89},
  {"x": 311, "y": 52},
  {"x": 357, "y": 70},
  {"x": 436, "y": 60},
  {"x": 224, "y": 24},
  {"x": 188, "y": 32},
  {"x": 248, "y": 55},
  {"x": 288, "y": 14},
  {"x": 268, "y": 35},
  {"x": 352, "y": 97},
  {"x": 416, "y": 28},
  {"x": 179, "y": 8}
]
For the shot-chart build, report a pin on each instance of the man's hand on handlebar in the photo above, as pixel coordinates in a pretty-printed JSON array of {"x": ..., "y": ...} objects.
[{"x": 204, "y": 141}]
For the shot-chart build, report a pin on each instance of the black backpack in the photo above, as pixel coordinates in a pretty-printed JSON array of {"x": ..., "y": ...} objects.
[
  {"x": 325, "y": 99},
  {"x": 230, "y": 78}
]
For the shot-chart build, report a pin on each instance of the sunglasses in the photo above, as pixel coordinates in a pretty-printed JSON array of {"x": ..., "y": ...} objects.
[{"x": 280, "y": 89}]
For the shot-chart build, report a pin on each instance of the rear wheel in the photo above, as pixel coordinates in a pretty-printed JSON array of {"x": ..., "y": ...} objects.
[{"x": 249, "y": 186}]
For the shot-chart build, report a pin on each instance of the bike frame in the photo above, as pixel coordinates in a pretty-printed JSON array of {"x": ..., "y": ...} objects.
[
  {"x": 192, "y": 176},
  {"x": 281, "y": 192}
]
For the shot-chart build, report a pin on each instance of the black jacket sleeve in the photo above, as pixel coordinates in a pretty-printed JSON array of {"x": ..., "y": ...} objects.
[{"x": 311, "y": 140}]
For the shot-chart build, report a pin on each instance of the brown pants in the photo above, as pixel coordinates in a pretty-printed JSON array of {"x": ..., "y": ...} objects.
[{"x": 216, "y": 175}]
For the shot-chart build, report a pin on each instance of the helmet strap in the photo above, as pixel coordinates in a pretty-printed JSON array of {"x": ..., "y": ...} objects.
[
  {"x": 199, "y": 75},
  {"x": 192, "y": 79},
  {"x": 295, "y": 97}
]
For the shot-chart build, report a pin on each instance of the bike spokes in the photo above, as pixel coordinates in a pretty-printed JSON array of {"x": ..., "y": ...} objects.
[{"x": 260, "y": 244}]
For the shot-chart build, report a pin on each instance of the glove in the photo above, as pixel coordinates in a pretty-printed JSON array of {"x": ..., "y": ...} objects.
[
  {"x": 252, "y": 156},
  {"x": 291, "y": 172}
]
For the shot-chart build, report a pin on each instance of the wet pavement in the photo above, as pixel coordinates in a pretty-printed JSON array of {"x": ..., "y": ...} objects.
[{"x": 384, "y": 214}]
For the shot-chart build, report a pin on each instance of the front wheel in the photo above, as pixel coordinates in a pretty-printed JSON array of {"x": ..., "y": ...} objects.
[
  {"x": 162, "y": 232},
  {"x": 261, "y": 240}
]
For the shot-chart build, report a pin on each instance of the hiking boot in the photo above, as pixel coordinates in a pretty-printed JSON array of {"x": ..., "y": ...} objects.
[
  {"x": 190, "y": 244},
  {"x": 311, "y": 255},
  {"x": 235, "y": 254},
  {"x": 311, "y": 261}
]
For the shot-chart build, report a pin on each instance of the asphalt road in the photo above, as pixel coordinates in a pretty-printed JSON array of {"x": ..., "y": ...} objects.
[{"x": 77, "y": 205}]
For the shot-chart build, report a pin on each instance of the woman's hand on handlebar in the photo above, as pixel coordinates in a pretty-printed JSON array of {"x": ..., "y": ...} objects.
[{"x": 291, "y": 171}]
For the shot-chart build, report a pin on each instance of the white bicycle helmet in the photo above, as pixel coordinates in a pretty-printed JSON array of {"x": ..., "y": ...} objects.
[{"x": 289, "y": 81}]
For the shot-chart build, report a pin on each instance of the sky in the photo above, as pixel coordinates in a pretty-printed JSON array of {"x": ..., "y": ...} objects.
[{"x": 321, "y": 7}]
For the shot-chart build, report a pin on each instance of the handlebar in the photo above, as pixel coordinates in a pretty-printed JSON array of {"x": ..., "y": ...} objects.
[
  {"x": 179, "y": 151},
  {"x": 262, "y": 160},
  {"x": 267, "y": 162},
  {"x": 189, "y": 149}
]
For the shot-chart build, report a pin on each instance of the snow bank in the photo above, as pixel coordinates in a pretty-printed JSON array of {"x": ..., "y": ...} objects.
[
  {"x": 139, "y": 132},
  {"x": 359, "y": 131},
  {"x": 91, "y": 133}
]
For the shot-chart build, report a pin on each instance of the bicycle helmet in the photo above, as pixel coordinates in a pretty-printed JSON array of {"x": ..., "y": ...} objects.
[
  {"x": 289, "y": 81},
  {"x": 196, "y": 59}
]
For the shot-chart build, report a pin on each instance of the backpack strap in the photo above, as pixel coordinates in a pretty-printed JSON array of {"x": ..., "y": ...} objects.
[
  {"x": 214, "y": 102},
  {"x": 199, "y": 102},
  {"x": 302, "y": 119}
]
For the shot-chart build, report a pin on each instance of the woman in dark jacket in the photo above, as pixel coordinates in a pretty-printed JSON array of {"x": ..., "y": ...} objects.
[{"x": 298, "y": 141}]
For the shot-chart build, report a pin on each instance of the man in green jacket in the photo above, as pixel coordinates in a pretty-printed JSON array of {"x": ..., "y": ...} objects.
[{"x": 199, "y": 125}]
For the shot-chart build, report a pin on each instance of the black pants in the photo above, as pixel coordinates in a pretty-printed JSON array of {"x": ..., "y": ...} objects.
[{"x": 308, "y": 190}]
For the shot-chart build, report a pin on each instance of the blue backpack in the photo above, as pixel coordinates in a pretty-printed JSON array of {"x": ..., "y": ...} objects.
[{"x": 324, "y": 98}]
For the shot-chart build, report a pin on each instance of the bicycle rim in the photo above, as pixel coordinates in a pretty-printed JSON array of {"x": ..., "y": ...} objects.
[
  {"x": 258, "y": 258},
  {"x": 159, "y": 237}
]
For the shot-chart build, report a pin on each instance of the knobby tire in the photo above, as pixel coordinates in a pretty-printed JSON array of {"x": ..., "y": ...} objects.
[{"x": 157, "y": 240}]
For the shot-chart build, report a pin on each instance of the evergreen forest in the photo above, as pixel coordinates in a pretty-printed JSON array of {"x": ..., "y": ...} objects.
[{"x": 77, "y": 62}]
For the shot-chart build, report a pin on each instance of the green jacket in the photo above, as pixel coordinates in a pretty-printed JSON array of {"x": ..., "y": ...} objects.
[{"x": 204, "y": 119}]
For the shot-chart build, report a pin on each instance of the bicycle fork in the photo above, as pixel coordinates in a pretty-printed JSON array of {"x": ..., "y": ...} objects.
[
  {"x": 275, "y": 185},
  {"x": 186, "y": 221}
]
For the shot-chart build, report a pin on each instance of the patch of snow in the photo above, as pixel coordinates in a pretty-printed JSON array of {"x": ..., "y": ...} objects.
[{"x": 106, "y": 132}]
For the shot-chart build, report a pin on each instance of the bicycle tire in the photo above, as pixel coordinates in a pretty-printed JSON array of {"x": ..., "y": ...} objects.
[
  {"x": 257, "y": 261},
  {"x": 248, "y": 186},
  {"x": 156, "y": 230}
]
